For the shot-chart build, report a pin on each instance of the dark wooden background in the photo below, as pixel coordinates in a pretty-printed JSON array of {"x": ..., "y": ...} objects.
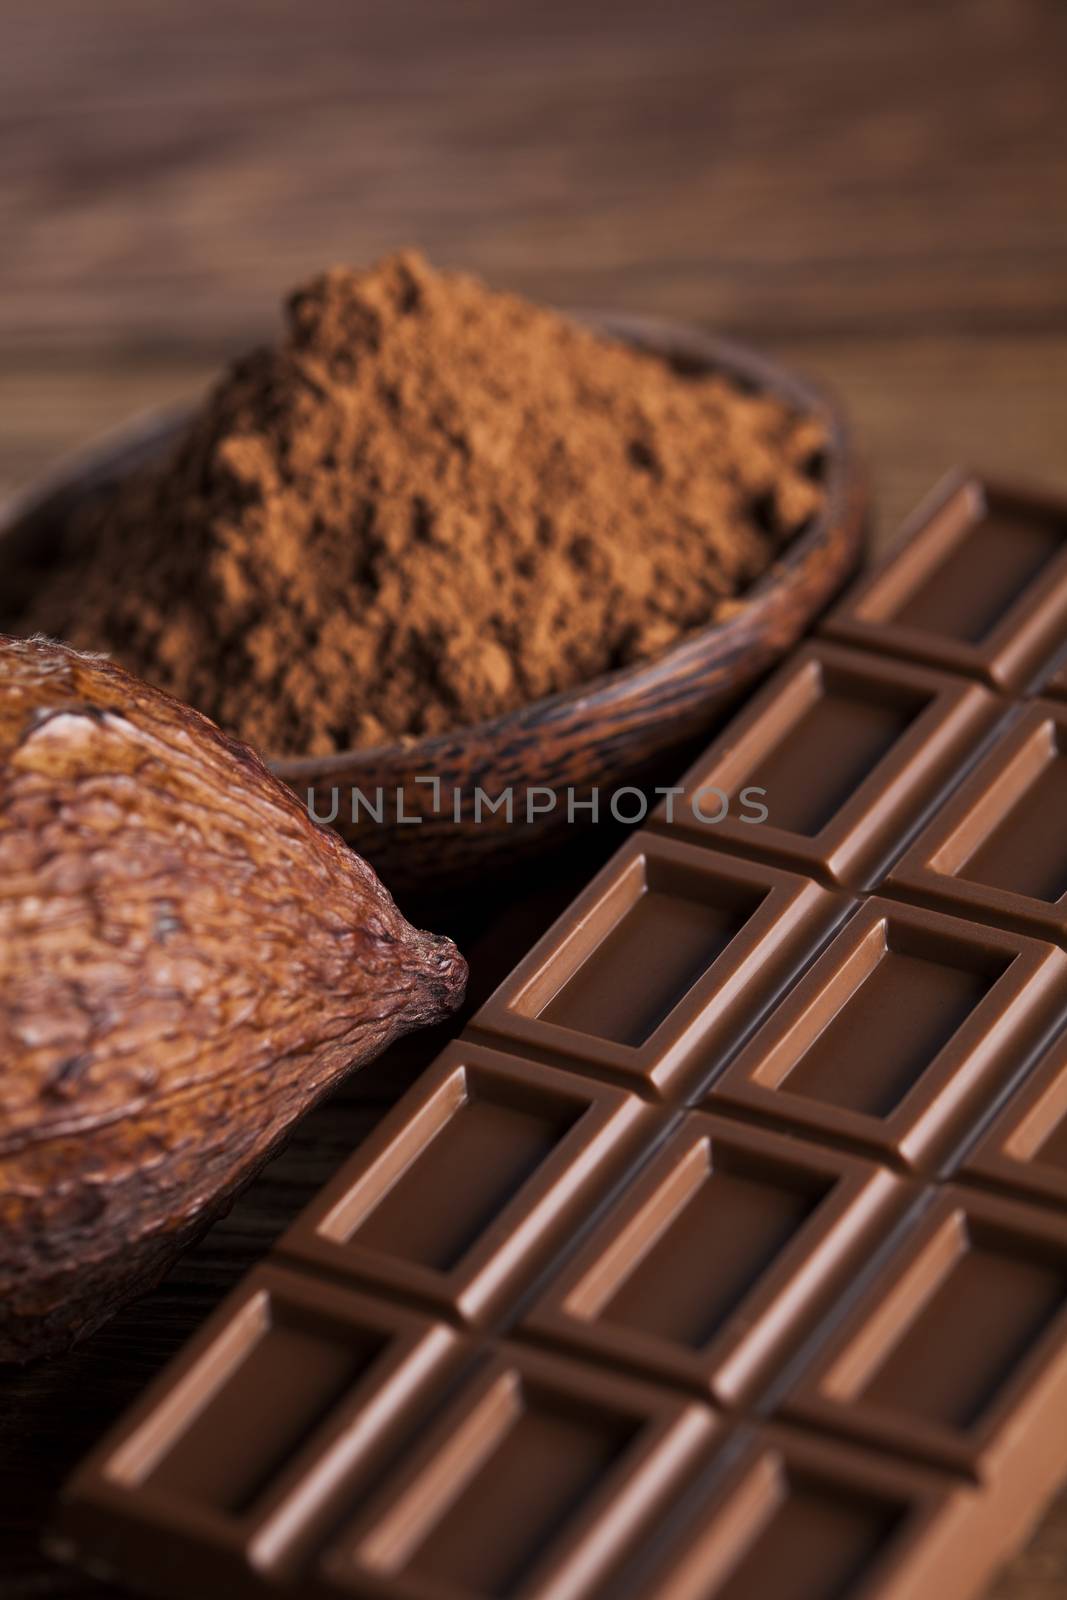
[{"x": 876, "y": 192}]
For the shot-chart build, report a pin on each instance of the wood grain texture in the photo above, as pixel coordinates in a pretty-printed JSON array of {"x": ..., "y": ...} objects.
[
  {"x": 765, "y": 166},
  {"x": 873, "y": 192}
]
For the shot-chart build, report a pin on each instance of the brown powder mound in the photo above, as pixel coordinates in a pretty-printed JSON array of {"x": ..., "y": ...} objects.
[{"x": 430, "y": 504}]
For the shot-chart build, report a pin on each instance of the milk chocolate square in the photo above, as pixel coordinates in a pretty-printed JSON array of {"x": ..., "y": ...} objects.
[
  {"x": 538, "y": 1476},
  {"x": 1025, "y": 1146},
  {"x": 797, "y": 1516},
  {"x": 719, "y": 1258},
  {"x": 832, "y": 764},
  {"x": 998, "y": 849},
  {"x": 977, "y": 585},
  {"x": 901, "y": 1034},
  {"x": 956, "y": 1351},
  {"x": 669, "y": 954},
  {"x": 467, "y": 1185},
  {"x": 293, "y": 1391}
]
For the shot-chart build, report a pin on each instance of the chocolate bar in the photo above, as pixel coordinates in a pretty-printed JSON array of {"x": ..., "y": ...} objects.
[{"x": 725, "y": 1254}]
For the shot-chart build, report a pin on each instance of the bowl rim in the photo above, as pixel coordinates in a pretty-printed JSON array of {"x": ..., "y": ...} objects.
[{"x": 149, "y": 430}]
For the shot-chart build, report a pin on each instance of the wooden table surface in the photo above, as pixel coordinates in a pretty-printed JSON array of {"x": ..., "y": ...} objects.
[{"x": 877, "y": 193}]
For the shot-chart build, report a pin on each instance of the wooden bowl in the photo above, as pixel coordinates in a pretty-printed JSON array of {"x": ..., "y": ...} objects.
[{"x": 608, "y": 732}]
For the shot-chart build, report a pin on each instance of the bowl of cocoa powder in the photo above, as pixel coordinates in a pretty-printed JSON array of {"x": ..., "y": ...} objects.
[{"x": 454, "y": 562}]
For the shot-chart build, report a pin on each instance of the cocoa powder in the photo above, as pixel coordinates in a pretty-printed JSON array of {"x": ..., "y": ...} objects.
[{"x": 427, "y": 505}]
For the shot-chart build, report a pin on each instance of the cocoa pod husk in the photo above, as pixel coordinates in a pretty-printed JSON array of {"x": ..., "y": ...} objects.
[{"x": 187, "y": 963}]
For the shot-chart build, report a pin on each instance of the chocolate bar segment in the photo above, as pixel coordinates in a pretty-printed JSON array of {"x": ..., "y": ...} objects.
[
  {"x": 665, "y": 959},
  {"x": 1025, "y": 1147},
  {"x": 832, "y": 764},
  {"x": 720, "y": 1257},
  {"x": 1053, "y": 685},
  {"x": 482, "y": 1172},
  {"x": 998, "y": 849},
  {"x": 796, "y": 1517},
  {"x": 539, "y": 1475},
  {"x": 957, "y": 1352},
  {"x": 977, "y": 586},
  {"x": 903, "y": 1031},
  {"x": 233, "y": 1459}
]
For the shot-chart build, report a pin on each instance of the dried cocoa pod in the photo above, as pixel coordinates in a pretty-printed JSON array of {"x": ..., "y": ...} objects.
[{"x": 186, "y": 964}]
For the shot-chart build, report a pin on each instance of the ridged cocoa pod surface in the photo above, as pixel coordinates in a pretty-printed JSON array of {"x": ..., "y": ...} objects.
[{"x": 186, "y": 964}]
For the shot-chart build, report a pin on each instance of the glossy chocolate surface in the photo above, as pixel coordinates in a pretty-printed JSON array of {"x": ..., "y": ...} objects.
[
  {"x": 977, "y": 585},
  {"x": 998, "y": 849},
  {"x": 847, "y": 753}
]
